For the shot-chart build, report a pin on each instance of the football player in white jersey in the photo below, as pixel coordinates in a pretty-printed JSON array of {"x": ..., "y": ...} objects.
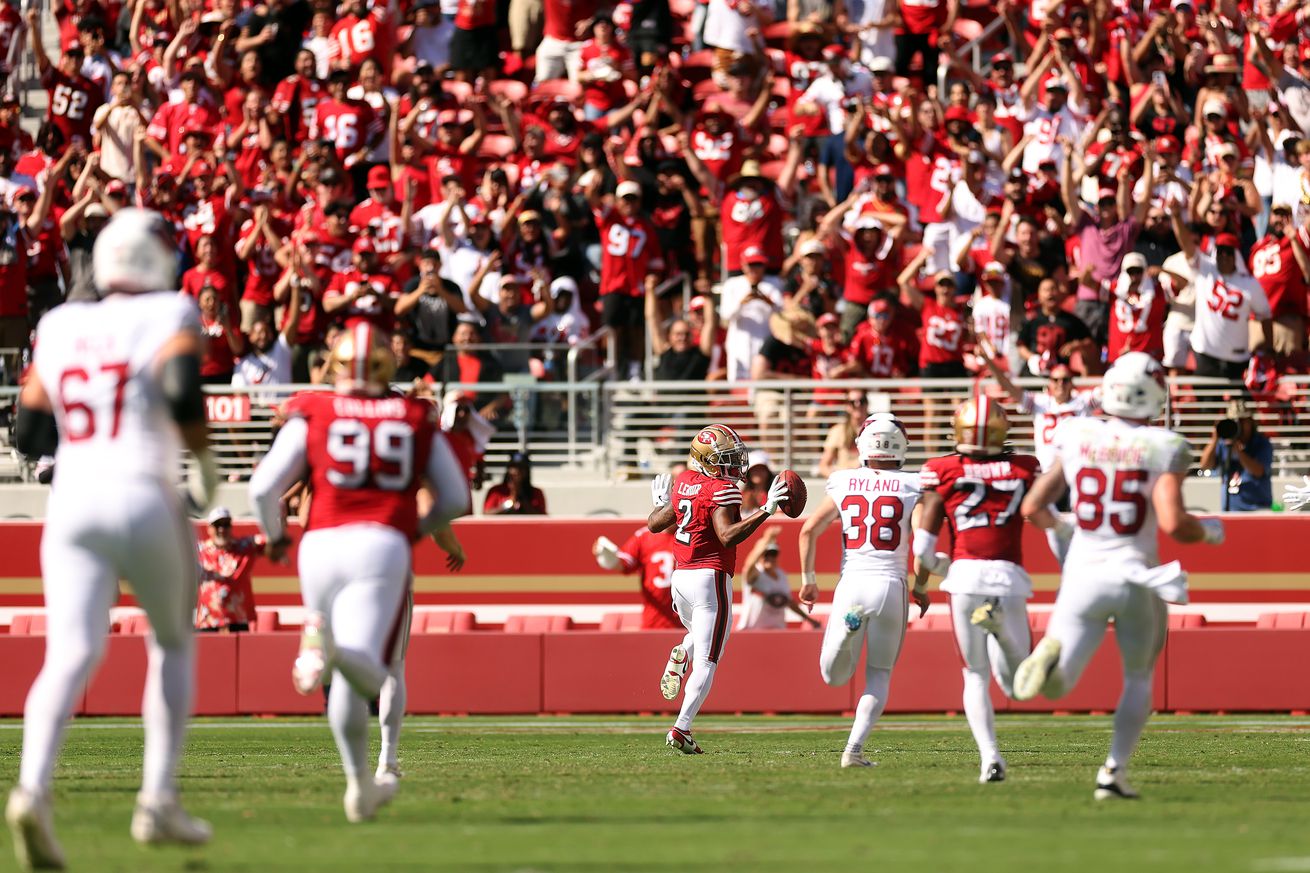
[
  {"x": 870, "y": 604},
  {"x": 121, "y": 377},
  {"x": 1048, "y": 408},
  {"x": 1125, "y": 479}
]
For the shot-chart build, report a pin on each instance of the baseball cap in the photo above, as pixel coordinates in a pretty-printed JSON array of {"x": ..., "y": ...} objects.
[
  {"x": 754, "y": 255},
  {"x": 1062, "y": 33},
  {"x": 1225, "y": 241},
  {"x": 628, "y": 189},
  {"x": 826, "y": 319},
  {"x": 696, "y": 303},
  {"x": 1018, "y": 175},
  {"x": 881, "y": 65},
  {"x": 447, "y": 116},
  {"x": 882, "y": 171},
  {"x": 944, "y": 276},
  {"x": 1279, "y": 206},
  {"x": 528, "y": 215},
  {"x": 993, "y": 268},
  {"x": 1305, "y": 51},
  {"x": 1214, "y": 106},
  {"x": 879, "y": 307},
  {"x": 1001, "y": 58},
  {"x": 1133, "y": 261},
  {"x": 812, "y": 247},
  {"x": 957, "y": 113},
  {"x": 363, "y": 245},
  {"x": 1226, "y": 149},
  {"x": 771, "y": 549},
  {"x": 115, "y": 187},
  {"x": 1239, "y": 408},
  {"x": 834, "y": 52},
  {"x": 96, "y": 210},
  {"x": 1106, "y": 194},
  {"x": 73, "y": 45},
  {"x": 22, "y": 191},
  {"x": 379, "y": 177},
  {"x": 1056, "y": 83},
  {"x": 867, "y": 222},
  {"x": 1167, "y": 145},
  {"x": 219, "y": 513}
]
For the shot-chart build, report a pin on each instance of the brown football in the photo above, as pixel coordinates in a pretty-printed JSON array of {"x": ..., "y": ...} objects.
[{"x": 794, "y": 505}]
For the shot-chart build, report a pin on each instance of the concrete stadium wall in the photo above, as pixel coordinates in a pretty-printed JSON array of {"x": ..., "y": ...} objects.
[{"x": 1202, "y": 669}]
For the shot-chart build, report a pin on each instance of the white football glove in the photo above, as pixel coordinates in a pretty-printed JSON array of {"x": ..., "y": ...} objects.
[
  {"x": 1059, "y": 537},
  {"x": 937, "y": 563},
  {"x": 1297, "y": 497},
  {"x": 201, "y": 483},
  {"x": 659, "y": 489},
  {"x": 1214, "y": 531},
  {"x": 778, "y": 495}
]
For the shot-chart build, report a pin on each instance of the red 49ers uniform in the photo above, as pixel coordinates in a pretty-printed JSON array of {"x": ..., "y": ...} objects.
[
  {"x": 702, "y": 580},
  {"x": 1137, "y": 323},
  {"x": 652, "y": 554},
  {"x": 982, "y": 497},
  {"x": 751, "y": 222},
  {"x": 943, "y": 335},
  {"x": 373, "y": 307}
]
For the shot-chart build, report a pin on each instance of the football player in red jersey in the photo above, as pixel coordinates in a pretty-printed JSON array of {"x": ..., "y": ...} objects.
[
  {"x": 364, "y": 452},
  {"x": 703, "y": 505},
  {"x": 652, "y": 553},
  {"x": 978, "y": 491}
]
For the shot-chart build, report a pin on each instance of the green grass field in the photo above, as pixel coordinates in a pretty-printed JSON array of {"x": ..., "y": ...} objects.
[{"x": 604, "y": 794}]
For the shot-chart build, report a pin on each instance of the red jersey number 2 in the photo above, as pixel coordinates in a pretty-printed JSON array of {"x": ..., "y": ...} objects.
[{"x": 83, "y": 410}]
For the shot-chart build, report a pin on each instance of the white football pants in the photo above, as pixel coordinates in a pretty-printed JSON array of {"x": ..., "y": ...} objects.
[
  {"x": 94, "y": 536},
  {"x": 356, "y": 576},
  {"x": 882, "y": 607},
  {"x": 703, "y": 601},
  {"x": 984, "y": 653},
  {"x": 1088, "y": 602}
]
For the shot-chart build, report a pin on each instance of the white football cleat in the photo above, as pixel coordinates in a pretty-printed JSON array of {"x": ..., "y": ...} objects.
[
  {"x": 987, "y": 617},
  {"x": 158, "y": 823},
  {"x": 682, "y": 741},
  {"x": 992, "y": 771},
  {"x": 1032, "y": 674},
  {"x": 856, "y": 759},
  {"x": 674, "y": 671},
  {"x": 31, "y": 821},
  {"x": 387, "y": 773},
  {"x": 364, "y": 799},
  {"x": 312, "y": 659},
  {"x": 1112, "y": 784}
]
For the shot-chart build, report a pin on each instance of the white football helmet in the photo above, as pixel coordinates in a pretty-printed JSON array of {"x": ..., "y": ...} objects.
[
  {"x": 136, "y": 252},
  {"x": 1134, "y": 387},
  {"x": 882, "y": 438}
]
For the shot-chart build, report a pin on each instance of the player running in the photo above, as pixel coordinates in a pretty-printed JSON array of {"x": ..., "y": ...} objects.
[
  {"x": 1125, "y": 479},
  {"x": 122, "y": 379},
  {"x": 869, "y": 606},
  {"x": 703, "y": 505},
  {"x": 978, "y": 492},
  {"x": 364, "y": 452}
]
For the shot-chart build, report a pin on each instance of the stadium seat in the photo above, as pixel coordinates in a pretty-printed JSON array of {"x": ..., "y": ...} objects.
[
  {"x": 497, "y": 146},
  {"x": 620, "y": 621},
  {"x": 266, "y": 620},
  {"x": 134, "y": 624},
  {"x": 512, "y": 89},
  {"x": 444, "y": 622},
  {"x": 1285, "y": 620},
  {"x": 28, "y": 623},
  {"x": 1179, "y": 621},
  {"x": 1037, "y": 621},
  {"x": 537, "y": 624},
  {"x": 553, "y": 88},
  {"x": 933, "y": 621}
]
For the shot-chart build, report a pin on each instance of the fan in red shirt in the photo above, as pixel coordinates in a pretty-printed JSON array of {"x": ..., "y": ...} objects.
[
  {"x": 209, "y": 213},
  {"x": 208, "y": 274},
  {"x": 260, "y": 238},
  {"x": 222, "y": 338},
  {"x": 364, "y": 293},
  {"x": 352, "y": 126},
  {"x": 296, "y": 97},
  {"x": 453, "y": 153},
  {"x": 1281, "y": 263},
  {"x": 73, "y": 98},
  {"x": 872, "y": 256},
  {"x": 173, "y": 122},
  {"x": 941, "y": 347},
  {"x": 1106, "y": 159},
  {"x": 879, "y": 350},
  {"x": 515, "y": 495},
  {"x": 360, "y": 34},
  {"x": 604, "y": 64},
  {"x": 751, "y": 216},
  {"x": 630, "y": 258},
  {"x": 652, "y": 555},
  {"x": 718, "y": 141},
  {"x": 1137, "y": 311},
  {"x": 226, "y": 600}
]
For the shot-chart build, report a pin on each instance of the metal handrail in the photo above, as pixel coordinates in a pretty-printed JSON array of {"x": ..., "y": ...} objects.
[
  {"x": 571, "y": 364},
  {"x": 973, "y": 47}
]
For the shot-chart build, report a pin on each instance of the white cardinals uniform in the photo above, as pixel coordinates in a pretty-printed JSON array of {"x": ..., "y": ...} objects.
[
  {"x": 113, "y": 514},
  {"x": 871, "y": 598},
  {"x": 1112, "y": 571}
]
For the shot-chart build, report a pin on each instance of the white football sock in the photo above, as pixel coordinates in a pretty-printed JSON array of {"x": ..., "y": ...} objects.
[
  {"x": 695, "y": 690},
  {"x": 348, "y": 716},
  {"x": 978, "y": 711},
  {"x": 872, "y": 702},
  {"x": 391, "y": 711},
  {"x": 165, "y": 708},
  {"x": 1130, "y": 718}
]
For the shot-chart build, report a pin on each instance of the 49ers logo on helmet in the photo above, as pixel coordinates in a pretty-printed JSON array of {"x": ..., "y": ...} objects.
[{"x": 705, "y": 437}]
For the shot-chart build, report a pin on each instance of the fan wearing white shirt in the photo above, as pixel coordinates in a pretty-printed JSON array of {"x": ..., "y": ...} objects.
[
  {"x": 269, "y": 360},
  {"x": 746, "y": 302},
  {"x": 1226, "y": 297},
  {"x": 766, "y": 594}
]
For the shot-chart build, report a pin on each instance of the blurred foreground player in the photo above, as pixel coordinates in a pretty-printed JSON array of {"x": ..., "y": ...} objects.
[
  {"x": 122, "y": 378},
  {"x": 1125, "y": 479},
  {"x": 652, "y": 553},
  {"x": 978, "y": 492},
  {"x": 703, "y": 506},
  {"x": 870, "y": 605},
  {"x": 364, "y": 452}
]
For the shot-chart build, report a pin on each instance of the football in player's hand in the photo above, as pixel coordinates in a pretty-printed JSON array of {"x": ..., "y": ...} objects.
[{"x": 794, "y": 505}]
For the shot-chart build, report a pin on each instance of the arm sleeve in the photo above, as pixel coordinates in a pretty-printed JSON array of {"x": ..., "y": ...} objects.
[
  {"x": 282, "y": 467},
  {"x": 449, "y": 484}
]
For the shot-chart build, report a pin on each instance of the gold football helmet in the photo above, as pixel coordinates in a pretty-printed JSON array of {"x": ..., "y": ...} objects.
[
  {"x": 361, "y": 361},
  {"x": 717, "y": 451},
  {"x": 981, "y": 426}
]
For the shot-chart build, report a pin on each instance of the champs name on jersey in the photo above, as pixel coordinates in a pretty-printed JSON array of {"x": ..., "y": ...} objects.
[
  {"x": 696, "y": 545},
  {"x": 1111, "y": 467},
  {"x": 875, "y": 507},
  {"x": 365, "y": 457},
  {"x": 982, "y": 498}
]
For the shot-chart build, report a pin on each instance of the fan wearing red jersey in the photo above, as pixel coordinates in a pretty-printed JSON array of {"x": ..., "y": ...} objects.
[
  {"x": 1137, "y": 311},
  {"x": 364, "y": 453},
  {"x": 978, "y": 491},
  {"x": 652, "y": 554},
  {"x": 703, "y": 506},
  {"x": 73, "y": 98}
]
